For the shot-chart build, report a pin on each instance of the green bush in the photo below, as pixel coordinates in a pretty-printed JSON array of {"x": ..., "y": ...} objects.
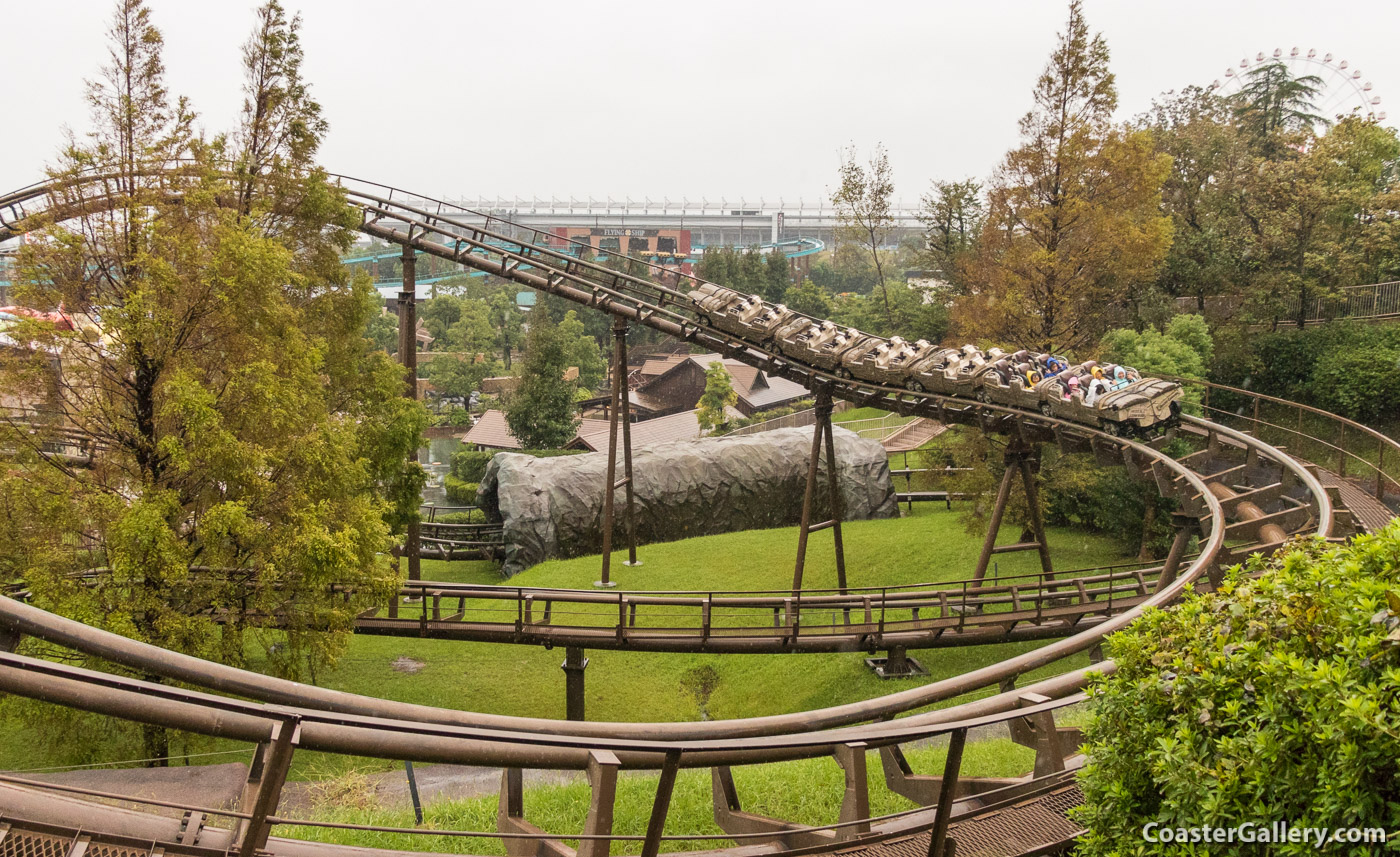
[
  {"x": 1275, "y": 699},
  {"x": 1361, "y": 383},
  {"x": 459, "y": 492},
  {"x": 469, "y": 465},
  {"x": 1345, "y": 367}
]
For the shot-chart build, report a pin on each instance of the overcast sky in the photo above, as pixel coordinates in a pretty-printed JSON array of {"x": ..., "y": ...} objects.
[{"x": 703, "y": 99}]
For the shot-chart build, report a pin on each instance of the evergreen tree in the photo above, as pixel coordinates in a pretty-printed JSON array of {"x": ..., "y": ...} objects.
[
  {"x": 719, "y": 394},
  {"x": 541, "y": 413},
  {"x": 1273, "y": 102}
]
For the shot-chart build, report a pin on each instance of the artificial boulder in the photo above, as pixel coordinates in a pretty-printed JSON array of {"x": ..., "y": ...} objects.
[{"x": 553, "y": 507}]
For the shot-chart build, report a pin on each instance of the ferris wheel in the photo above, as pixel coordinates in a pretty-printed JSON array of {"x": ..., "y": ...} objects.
[{"x": 1344, "y": 91}]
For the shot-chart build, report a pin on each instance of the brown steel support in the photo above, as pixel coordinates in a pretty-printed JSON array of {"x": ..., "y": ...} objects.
[
  {"x": 1028, "y": 468},
  {"x": 947, "y": 792},
  {"x": 574, "y": 665},
  {"x": 823, "y": 435},
  {"x": 1018, "y": 458},
  {"x": 1038, "y": 732},
  {"x": 263, "y": 788},
  {"x": 408, "y": 356},
  {"x": 1186, "y": 527},
  {"x": 922, "y": 789},
  {"x": 662, "y": 805},
  {"x": 510, "y": 818},
  {"x": 602, "y": 779},
  {"x": 855, "y": 801},
  {"x": 731, "y": 818},
  {"x": 619, "y": 416}
]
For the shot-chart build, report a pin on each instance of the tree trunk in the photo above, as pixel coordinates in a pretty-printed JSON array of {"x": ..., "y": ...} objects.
[{"x": 1148, "y": 519}]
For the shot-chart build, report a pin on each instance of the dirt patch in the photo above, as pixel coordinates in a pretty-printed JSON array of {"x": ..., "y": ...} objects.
[{"x": 405, "y": 664}]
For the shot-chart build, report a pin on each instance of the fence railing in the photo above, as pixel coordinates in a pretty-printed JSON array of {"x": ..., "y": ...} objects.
[
  {"x": 1378, "y": 300},
  {"x": 1370, "y": 301},
  {"x": 797, "y": 420},
  {"x": 1345, "y": 447}
]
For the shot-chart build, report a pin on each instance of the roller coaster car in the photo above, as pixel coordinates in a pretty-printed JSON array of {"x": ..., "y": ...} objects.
[
  {"x": 746, "y": 316},
  {"x": 1134, "y": 409},
  {"x": 882, "y": 362},
  {"x": 953, "y": 372},
  {"x": 823, "y": 344},
  {"x": 795, "y": 337}
]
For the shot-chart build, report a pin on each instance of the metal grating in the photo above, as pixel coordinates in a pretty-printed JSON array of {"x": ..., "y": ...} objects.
[
  {"x": 98, "y": 849},
  {"x": 18, "y": 843},
  {"x": 1035, "y": 824}
]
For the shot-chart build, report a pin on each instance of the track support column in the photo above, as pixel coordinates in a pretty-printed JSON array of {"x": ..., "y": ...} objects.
[
  {"x": 823, "y": 437},
  {"x": 263, "y": 789},
  {"x": 574, "y": 665},
  {"x": 408, "y": 356},
  {"x": 1019, "y": 458},
  {"x": 1186, "y": 527},
  {"x": 619, "y": 416}
]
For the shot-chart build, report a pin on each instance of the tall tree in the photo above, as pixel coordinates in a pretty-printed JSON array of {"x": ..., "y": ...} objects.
[
  {"x": 952, "y": 214},
  {"x": 507, "y": 319},
  {"x": 718, "y": 396},
  {"x": 1273, "y": 101},
  {"x": 864, "y": 215},
  {"x": 248, "y": 442},
  {"x": 1073, "y": 221},
  {"x": 581, "y": 351},
  {"x": 1315, "y": 212},
  {"x": 1209, "y": 159},
  {"x": 541, "y": 413}
]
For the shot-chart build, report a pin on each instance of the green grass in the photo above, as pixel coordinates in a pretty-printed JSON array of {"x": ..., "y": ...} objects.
[
  {"x": 929, "y": 546},
  {"x": 807, "y": 792},
  {"x": 869, "y": 414}
]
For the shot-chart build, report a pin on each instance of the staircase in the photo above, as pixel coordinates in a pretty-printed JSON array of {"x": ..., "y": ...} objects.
[{"x": 913, "y": 435}]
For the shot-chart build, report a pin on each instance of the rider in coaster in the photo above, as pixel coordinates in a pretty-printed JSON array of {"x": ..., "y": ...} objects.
[
  {"x": 1097, "y": 387},
  {"x": 1071, "y": 387},
  {"x": 1120, "y": 377}
]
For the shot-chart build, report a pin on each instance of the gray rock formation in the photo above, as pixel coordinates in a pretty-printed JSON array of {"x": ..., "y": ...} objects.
[{"x": 553, "y": 507}]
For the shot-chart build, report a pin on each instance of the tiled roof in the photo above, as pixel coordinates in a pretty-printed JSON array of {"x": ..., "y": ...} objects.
[
  {"x": 491, "y": 431},
  {"x": 661, "y": 365},
  {"x": 757, "y": 389},
  {"x": 682, "y": 426}
]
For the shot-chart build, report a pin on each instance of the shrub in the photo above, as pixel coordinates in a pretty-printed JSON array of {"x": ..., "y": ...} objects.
[
  {"x": 469, "y": 465},
  {"x": 459, "y": 492},
  {"x": 1362, "y": 383},
  {"x": 1275, "y": 699}
]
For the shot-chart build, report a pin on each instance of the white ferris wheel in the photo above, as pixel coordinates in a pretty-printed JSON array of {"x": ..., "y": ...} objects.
[{"x": 1343, "y": 92}]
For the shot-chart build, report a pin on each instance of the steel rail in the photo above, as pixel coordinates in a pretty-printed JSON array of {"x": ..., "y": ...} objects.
[
  {"x": 355, "y": 725},
  {"x": 430, "y": 222},
  {"x": 156, "y": 661}
]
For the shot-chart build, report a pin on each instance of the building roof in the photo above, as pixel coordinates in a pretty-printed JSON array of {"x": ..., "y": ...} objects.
[
  {"x": 755, "y": 388},
  {"x": 491, "y": 431},
  {"x": 593, "y": 434},
  {"x": 661, "y": 365}
]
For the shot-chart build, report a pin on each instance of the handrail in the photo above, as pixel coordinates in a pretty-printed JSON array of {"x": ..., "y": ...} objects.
[
  {"x": 1383, "y": 442},
  {"x": 358, "y": 725}
]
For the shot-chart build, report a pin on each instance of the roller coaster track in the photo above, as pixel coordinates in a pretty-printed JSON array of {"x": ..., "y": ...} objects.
[{"x": 1239, "y": 493}]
